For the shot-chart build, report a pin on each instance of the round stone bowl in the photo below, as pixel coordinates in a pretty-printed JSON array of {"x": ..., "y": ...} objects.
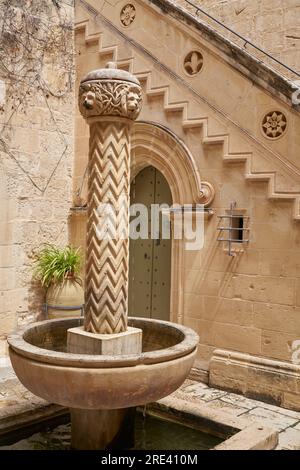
[{"x": 39, "y": 358}]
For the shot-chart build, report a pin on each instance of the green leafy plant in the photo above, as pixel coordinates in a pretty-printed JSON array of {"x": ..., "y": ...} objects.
[{"x": 54, "y": 264}]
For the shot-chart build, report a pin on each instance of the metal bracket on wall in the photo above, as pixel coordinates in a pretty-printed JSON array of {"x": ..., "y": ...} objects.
[{"x": 234, "y": 226}]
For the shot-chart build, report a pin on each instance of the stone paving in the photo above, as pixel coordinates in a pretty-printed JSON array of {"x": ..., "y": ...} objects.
[
  {"x": 286, "y": 422},
  {"x": 15, "y": 399}
]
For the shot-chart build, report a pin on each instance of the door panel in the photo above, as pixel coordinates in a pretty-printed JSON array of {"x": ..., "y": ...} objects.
[
  {"x": 140, "y": 251},
  {"x": 150, "y": 260}
]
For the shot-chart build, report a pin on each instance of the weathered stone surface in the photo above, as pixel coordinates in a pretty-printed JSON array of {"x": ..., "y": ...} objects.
[
  {"x": 289, "y": 439},
  {"x": 109, "y": 99},
  {"x": 240, "y": 401},
  {"x": 220, "y": 125},
  {"x": 274, "y": 381},
  {"x": 36, "y": 165},
  {"x": 97, "y": 429},
  {"x": 239, "y": 434},
  {"x": 222, "y": 405},
  {"x": 270, "y": 418},
  {"x": 181, "y": 404},
  {"x": 248, "y": 303},
  {"x": 270, "y": 24},
  {"x": 255, "y": 437},
  {"x": 252, "y": 411},
  {"x": 168, "y": 355},
  {"x": 83, "y": 342}
]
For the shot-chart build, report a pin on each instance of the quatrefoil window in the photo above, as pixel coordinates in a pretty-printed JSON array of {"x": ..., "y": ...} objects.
[{"x": 193, "y": 63}]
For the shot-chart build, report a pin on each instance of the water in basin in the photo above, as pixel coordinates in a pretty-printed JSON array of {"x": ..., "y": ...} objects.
[
  {"x": 151, "y": 434},
  {"x": 53, "y": 337}
]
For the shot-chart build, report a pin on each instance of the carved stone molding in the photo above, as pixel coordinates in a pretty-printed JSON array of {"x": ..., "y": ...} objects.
[
  {"x": 256, "y": 377},
  {"x": 151, "y": 144},
  {"x": 274, "y": 125},
  {"x": 207, "y": 194},
  {"x": 110, "y": 92},
  {"x": 113, "y": 99},
  {"x": 106, "y": 252},
  {"x": 193, "y": 63},
  {"x": 128, "y": 14}
]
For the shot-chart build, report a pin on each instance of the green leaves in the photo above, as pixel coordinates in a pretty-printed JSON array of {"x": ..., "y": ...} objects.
[{"x": 54, "y": 264}]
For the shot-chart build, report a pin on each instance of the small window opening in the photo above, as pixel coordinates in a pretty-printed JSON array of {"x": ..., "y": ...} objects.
[
  {"x": 233, "y": 229},
  {"x": 237, "y": 232}
]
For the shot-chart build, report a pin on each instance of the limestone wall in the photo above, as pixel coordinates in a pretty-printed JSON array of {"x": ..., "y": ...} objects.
[
  {"x": 248, "y": 303},
  {"x": 36, "y": 146},
  {"x": 271, "y": 24}
]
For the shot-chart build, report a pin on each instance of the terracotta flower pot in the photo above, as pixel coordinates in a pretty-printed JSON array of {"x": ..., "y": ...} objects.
[{"x": 69, "y": 293}]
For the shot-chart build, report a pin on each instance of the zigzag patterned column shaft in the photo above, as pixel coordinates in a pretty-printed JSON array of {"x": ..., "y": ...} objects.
[
  {"x": 107, "y": 254},
  {"x": 109, "y": 99}
]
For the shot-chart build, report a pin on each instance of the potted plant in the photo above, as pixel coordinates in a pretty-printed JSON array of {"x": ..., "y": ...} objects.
[{"x": 58, "y": 271}]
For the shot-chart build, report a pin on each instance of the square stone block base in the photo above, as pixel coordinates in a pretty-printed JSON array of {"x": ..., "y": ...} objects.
[{"x": 83, "y": 342}]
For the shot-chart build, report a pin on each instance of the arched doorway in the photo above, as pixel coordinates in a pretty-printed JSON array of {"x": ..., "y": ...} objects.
[{"x": 150, "y": 260}]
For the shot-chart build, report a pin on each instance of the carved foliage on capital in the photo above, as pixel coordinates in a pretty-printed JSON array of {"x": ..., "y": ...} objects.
[{"x": 110, "y": 98}]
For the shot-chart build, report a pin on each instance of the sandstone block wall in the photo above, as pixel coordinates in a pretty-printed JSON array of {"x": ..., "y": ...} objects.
[
  {"x": 271, "y": 24},
  {"x": 36, "y": 152},
  {"x": 248, "y": 303}
]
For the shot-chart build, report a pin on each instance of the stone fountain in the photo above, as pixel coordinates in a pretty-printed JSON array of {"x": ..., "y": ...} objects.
[{"x": 104, "y": 365}]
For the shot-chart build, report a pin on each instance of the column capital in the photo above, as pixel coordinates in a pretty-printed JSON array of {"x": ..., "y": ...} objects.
[{"x": 110, "y": 92}]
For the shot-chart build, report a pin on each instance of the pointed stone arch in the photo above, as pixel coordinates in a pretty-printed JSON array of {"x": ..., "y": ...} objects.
[{"x": 156, "y": 145}]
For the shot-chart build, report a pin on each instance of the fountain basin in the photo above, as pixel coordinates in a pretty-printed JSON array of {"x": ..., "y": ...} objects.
[{"x": 41, "y": 362}]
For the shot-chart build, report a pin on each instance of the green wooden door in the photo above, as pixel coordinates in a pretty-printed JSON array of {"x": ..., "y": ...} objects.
[{"x": 150, "y": 260}]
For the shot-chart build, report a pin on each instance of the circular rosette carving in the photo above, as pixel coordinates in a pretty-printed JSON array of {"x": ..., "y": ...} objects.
[
  {"x": 127, "y": 14},
  {"x": 274, "y": 125},
  {"x": 207, "y": 194},
  {"x": 110, "y": 98}
]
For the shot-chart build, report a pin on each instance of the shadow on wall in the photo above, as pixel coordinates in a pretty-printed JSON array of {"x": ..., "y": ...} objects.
[{"x": 36, "y": 300}]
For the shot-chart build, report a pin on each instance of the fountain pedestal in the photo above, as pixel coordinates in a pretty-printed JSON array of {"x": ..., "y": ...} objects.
[
  {"x": 109, "y": 100},
  {"x": 91, "y": 382},
  {"x": 105, "y": 373},
  {"x": 102, "y": 429},
  {"x": 82, "y": 342}
]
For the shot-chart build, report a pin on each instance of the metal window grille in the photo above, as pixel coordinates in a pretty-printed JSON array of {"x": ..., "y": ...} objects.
[{"x": 233, "y": 228}]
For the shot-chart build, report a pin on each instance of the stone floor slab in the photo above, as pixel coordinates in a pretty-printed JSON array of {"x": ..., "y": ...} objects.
[
  {"x": 240, "y": 401},
  {"x": 193, "y": 387},
  {"x": 289, "y": 439},
  {"x": 6, "y": 373},
  {"x": 270, "y": 418},
  {"x": 234, "y": 410},
  {"x": 283, "y": 411},
  {"x": 200, "y": 391}
]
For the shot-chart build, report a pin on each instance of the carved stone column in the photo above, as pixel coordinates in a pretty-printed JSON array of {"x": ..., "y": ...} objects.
[{"x": 110, "y": 100}]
